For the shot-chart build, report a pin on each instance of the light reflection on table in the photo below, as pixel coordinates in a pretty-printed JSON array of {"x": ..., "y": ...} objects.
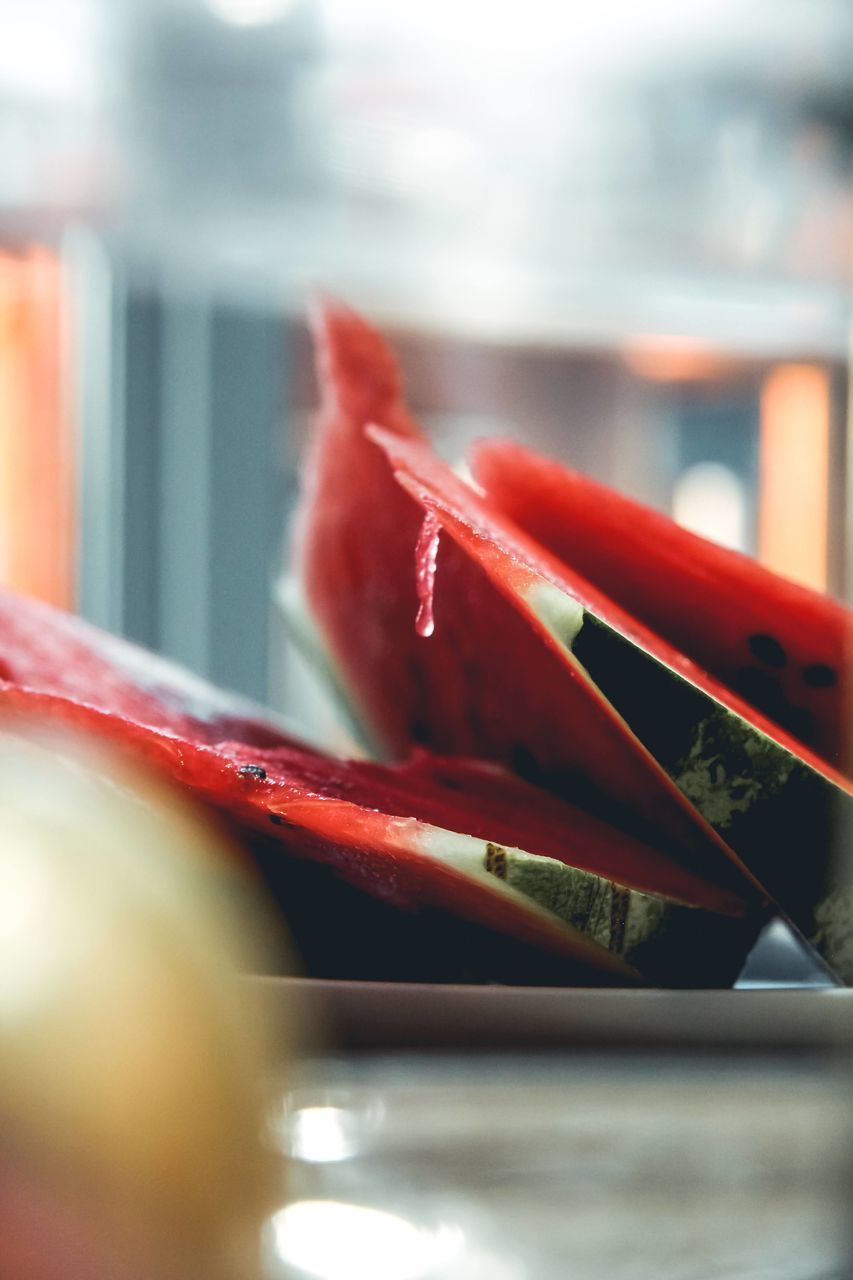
[{"x": 677, "y": 1168}]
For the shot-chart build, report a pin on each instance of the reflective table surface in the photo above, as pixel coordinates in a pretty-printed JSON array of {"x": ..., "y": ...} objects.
[
  {"x": 513, "y": 1133},
  {"x": 579, "y": 1164}
]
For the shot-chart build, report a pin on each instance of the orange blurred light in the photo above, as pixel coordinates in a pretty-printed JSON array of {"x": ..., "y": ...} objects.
[
  {"x": 36, "y": 464},
  {"x": 672, "y": 358},
  {"x": 794, "y": 479}
]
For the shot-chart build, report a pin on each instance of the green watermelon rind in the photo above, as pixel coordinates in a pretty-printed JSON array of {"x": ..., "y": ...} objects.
[
  {"x": 668, "y": 942},
  {"x": 787, "y": 822}
]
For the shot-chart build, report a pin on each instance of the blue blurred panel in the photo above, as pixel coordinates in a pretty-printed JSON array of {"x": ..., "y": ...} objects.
[{"x": 182, "y": 491}]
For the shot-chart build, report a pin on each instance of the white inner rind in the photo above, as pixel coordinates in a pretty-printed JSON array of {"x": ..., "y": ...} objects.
[
  {"x": 352, "y": 738},
  {"x": 559, "y": 612}
]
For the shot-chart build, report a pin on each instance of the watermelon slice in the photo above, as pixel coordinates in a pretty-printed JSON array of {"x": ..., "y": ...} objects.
[
  {"x": 458, "y": 692},
  {"x": 521, "y": 659},
  {"x": 783, "y": 648},
  {"x": 499, "y": 879}
]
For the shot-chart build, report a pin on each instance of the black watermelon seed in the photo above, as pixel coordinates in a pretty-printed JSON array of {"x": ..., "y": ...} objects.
[
  {"x": 768, "y": 650},
  {"x": 278, "y": 821},
  {"x": 819, "y": 676},
  {"x": 419, "y": 731},
  {"x": 253, "y": 771}
]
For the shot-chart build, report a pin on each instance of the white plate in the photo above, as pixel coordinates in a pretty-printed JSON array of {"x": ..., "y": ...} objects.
[
  {"x": 783, "y": 1000},
  {"x": 412, "y": 1015}
]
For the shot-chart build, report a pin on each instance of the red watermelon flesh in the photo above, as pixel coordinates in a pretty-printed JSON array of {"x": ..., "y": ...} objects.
[
  {"x": 51, "y": 652},
  {"x": 355, "y": 540},
  {"x": 783, "y": 648},
  {"x": 383, "y": 830},
  {"x": 352, "y": 596},
  {"x": 485, "y": 684},
  {"x": 145, "y": 693},
  {"x": 516, "y": 563}
]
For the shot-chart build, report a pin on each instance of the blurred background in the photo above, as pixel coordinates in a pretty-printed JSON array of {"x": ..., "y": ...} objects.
[{"x": 620, "y": 232}]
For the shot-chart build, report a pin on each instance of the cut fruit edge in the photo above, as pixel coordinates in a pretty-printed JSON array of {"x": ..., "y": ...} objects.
[
  {"x": 396, "y": 841},
  {"x": 422, "y": 865}
]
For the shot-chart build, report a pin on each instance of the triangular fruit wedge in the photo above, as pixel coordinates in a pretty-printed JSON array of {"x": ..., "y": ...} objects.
[
  {"x": 781, "y": 812},
  {"x": 480, "y": 866},
  {"x": 485, "y": 684},
  {"x": 784, "y": 649}
]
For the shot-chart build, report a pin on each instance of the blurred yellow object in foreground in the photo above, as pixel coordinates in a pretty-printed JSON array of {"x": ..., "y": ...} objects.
[{"x": 132, "y": 1073}]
